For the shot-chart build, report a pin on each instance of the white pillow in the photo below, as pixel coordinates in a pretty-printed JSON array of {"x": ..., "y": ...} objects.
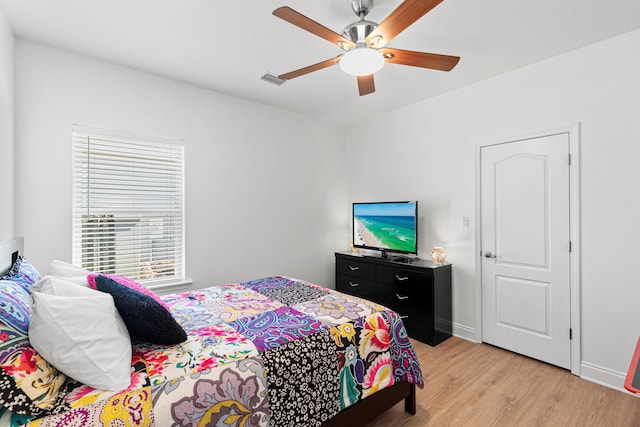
[
  {"x": 79, "y": 331},
  {"x": 69, "y": 272}
]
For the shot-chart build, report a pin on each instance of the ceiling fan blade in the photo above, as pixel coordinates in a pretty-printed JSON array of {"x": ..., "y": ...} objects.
[
  {"x": 299, "y": 20},
  {"x": 310, "y": 68},
  {"x": 404, "y": 15},
  {"x": 419, "y": 59},
  {"x": 366, "y": 84}
]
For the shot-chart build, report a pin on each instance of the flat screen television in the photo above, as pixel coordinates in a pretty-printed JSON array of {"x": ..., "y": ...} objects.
[{"x": 386, "y": 227}]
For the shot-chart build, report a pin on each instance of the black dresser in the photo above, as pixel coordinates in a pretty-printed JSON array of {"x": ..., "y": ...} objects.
[{"x": 419, "y": 291}]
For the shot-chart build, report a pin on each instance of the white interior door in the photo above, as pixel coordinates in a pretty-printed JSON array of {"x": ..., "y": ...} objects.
[{"x": 525, "y": 237}]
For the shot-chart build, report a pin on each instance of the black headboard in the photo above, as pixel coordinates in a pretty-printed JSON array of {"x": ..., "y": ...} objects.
[{"x": 9, "y": 251}]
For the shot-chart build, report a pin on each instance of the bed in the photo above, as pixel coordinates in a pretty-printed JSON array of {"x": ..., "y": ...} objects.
[{"x": 272, "y": 351}]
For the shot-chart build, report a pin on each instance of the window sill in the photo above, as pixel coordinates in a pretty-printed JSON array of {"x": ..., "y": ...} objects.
[{"x": 171, "y": 288}]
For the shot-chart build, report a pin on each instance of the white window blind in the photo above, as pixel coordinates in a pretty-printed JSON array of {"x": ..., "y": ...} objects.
[{"x": 128, "y": 204}]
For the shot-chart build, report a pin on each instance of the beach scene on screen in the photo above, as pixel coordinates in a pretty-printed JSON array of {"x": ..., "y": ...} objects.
[{"x": 385, "y": 225}]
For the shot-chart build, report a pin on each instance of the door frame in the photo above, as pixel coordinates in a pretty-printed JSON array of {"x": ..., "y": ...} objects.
[{"x": 573, "y": 132}]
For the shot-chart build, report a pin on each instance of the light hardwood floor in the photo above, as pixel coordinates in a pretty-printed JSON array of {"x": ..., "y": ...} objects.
[{"x": 478, "y": 385}]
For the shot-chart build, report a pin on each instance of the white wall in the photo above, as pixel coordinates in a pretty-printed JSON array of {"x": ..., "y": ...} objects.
[
  {"x": 7, "y": 111},
  {"x": 426, "y": 152},
  {"x": 264, "y": 187}
]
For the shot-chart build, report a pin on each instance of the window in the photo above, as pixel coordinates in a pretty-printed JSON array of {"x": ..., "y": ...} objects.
[{"x": 128, "y": 216}]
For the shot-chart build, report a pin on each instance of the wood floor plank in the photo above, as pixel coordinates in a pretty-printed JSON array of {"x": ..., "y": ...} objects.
[{"x": 477, "y": 385}]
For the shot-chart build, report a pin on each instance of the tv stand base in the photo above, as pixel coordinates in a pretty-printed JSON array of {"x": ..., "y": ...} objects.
[{"x": 395, "y": 258}]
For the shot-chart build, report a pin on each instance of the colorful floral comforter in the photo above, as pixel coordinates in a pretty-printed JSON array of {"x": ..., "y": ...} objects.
[{"x": 274, "y": 351}]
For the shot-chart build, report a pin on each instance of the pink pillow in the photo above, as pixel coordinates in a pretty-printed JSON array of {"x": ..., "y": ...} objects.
[{"x": 131, "y": 284}]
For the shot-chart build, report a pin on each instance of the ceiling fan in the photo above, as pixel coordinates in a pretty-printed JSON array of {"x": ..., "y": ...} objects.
[{"x": 364, "y": 41}]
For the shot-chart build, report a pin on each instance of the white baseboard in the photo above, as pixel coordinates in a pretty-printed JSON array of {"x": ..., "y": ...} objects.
[
  {"x": 602, "y": 376},
  {"x": 464, "y": 332},
  {"x": 588, "y": 371}
]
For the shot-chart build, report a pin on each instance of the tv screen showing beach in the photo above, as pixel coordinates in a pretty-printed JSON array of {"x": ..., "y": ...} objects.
[{"x": 390, "y": 226}]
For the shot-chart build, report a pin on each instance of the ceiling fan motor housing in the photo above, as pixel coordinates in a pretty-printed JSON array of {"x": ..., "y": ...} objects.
[{"x": 358, "y": 31}]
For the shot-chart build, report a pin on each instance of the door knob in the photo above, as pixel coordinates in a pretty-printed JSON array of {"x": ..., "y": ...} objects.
[{"x": 489, "y": 255}]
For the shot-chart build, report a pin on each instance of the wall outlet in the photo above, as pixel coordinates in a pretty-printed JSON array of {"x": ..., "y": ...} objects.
[{"x": 465, "y": 222}]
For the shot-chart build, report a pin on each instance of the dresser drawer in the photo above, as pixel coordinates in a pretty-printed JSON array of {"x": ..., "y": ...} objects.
[
  {"x": 394, "y": 276},
  {"x": 413, "y": 321},
  {"x": 356, "y": 268},
  {"x": 420, "y": 327},
  {"x": 356, "y": 286},
  {"x": 403, "y": 301},
  {"x": 404, "y": 291}
]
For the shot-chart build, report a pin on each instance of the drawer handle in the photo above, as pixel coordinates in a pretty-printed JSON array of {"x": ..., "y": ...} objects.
[
  {"x": 402, "y": 297},
  {"x": 403, "y": 317},
  {"x": 354, "y": 285},
  {"x": 401, "y": 279},
  {"x": 353, "y": 268}
]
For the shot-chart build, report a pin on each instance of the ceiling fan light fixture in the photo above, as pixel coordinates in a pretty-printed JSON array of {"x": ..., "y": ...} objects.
[
  {"x": 375, "y": 41},
  {"x": 345, "y": 46},
  {"x": 361, "y": 61}
]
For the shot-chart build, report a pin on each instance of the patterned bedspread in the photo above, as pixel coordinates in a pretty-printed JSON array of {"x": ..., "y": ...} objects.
[{"x": 275, "y": 351}]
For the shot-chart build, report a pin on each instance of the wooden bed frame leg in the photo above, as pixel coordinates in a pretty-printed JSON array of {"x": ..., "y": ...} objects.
[
  {"x": 410, "y": 401},
  {"x": 368, "y": 409}
]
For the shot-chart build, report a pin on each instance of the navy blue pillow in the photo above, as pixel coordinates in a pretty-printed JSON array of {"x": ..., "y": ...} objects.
[{"x": 146, "y": 319}]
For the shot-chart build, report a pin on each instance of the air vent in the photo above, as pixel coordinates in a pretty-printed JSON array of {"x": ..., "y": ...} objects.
[{"x": 272, "y": 78}]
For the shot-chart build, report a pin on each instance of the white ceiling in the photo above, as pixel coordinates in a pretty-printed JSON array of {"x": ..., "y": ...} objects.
[{"x": 228, "y": 45}]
